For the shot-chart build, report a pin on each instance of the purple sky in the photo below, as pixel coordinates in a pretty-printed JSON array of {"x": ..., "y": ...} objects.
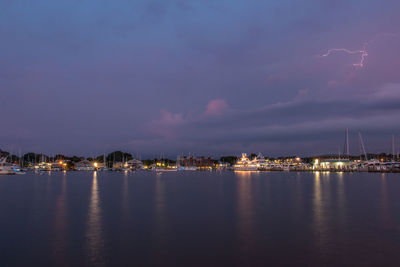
[{"x": 207, "y": 77}]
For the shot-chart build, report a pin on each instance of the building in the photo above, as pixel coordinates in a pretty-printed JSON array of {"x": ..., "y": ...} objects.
[
  {"x": 198, "y": 162},
  {"x": 223, "y": 166},
  {"x": 333, "y": 164}
]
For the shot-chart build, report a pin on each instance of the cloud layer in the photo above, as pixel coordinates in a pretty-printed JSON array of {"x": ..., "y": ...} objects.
[{"x": 210, "y": 77}]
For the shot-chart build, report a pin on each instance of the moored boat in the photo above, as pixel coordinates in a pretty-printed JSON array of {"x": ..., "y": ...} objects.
[
  {"x": 6, "y": 168},
  {"x": 162, "y": 169},
  {"x": 260, "y": 162},
  {"x": 244, "y": 164}
]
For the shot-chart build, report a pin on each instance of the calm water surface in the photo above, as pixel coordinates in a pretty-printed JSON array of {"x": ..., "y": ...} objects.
[{"x": 200, "y": 219}]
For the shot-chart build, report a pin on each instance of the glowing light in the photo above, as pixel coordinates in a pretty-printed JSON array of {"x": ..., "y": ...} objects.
[{"x": 363, "y": 52}]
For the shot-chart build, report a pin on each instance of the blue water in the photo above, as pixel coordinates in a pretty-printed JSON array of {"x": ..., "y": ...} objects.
[{"x": 200, "y": 219}]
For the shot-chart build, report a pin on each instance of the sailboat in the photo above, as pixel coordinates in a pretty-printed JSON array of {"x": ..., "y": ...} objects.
[{"x": 105, "y": 167}]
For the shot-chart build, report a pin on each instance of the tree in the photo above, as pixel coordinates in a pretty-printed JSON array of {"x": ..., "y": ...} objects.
[
  {"x": 230, "y": 159},
  {"x": 118, "y": 156}
]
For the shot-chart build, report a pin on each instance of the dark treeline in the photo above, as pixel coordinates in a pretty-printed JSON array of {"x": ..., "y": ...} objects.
[{"x": 32, "y": 158}]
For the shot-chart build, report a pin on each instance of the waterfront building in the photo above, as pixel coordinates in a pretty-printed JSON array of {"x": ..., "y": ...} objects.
[
  {"x": 223, "y": 166},
  {"x": 333, "y": 164},
  {"x": 43, "y": 166},
  {"x": 57, "y": 166},
  {"x": 194, "y": 163}
]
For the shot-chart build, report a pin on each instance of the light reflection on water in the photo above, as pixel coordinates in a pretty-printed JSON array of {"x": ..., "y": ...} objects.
[
  {"x": 299, "y": 201},
  {"x": 341, "y": 198},
  {"x": 385, "y": 204},
  {"x": 94, "y": 235},
  {"x": 245, "y": 211},
  {"x": 263, "y": 219},
  {"x": 244, "y": 174},
  {"x": 160, "y": 220},
  {"x": 60, "y": 224},
  {"x": 319, "y": 209},
  {"x": 125, "y": 200}
]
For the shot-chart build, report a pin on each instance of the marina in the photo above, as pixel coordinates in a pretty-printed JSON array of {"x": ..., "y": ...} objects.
[
  {"x": 6, "y": 168},
  {"x": 257, "y": 164},
  {"x": 199, "y": 133},
  {"x": 124, "y": 162}
]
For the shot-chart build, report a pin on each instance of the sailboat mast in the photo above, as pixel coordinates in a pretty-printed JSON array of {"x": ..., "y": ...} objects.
[
  {"x": 362, "y": 147},
  {"x": 347, "y": 143},
  {"x": 393, "y": 147},
  {"x": 359, "y": 144}
]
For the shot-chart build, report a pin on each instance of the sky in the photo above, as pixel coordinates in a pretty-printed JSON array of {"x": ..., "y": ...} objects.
[{"x": 211, "y": 77}]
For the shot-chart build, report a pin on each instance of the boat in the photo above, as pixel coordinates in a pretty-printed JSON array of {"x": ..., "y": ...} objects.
[
  {"x": 43, "y": 167},
  {"x": 275, "y": 166},
  {"x": 6, "y": 168},
  {"x": 244, "y": 164},
  {"x": 164, "y": 169},
  {"x": 286, "y": 167},
  {"x": 17, "y": 169},
  {"x": 261, "y": 163},
  {"x": 190, "y": 168}
]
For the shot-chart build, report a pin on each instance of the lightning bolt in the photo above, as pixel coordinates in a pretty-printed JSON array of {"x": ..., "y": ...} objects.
[{"x": 363, "y": 52}]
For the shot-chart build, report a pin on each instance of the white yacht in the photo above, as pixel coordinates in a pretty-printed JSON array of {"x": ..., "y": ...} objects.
[
  {"x": 275, "y": 166},
  {"x": 286, "y": 166},
  {"x": 190, "y": 168},
  {"x": 6, "y": 168},
  {"x": 261, "y": 163},
  {"x": 244, "y": 164},
  {"x": 156, "y": 168},
  {"x": 165, "y": 169}
]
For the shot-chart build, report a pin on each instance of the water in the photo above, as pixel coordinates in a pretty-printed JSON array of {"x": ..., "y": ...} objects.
[{"x": 200, "y": 219}]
